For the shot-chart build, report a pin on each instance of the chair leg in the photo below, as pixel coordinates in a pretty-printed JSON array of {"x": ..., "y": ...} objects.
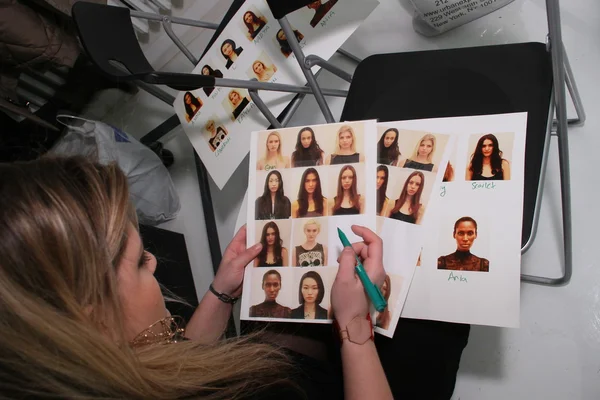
[
  {"x": 310, "y": 78},
  {"x": 264, "y": 109},
  {"x": 574, "y": 93},
  {"x": 558, "y": 71}
]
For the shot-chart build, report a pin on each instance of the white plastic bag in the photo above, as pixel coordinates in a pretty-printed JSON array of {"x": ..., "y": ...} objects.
[
  {"x": 150, "y": 186},
  {"x": 433, "y": 17}
]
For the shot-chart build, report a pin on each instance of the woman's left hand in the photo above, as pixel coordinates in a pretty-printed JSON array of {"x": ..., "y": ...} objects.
[{"x": 230, "y": 275}]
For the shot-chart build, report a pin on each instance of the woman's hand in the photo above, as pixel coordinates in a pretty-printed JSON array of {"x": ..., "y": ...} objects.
[
  {"x": 348, "y": 296},
  {"x": 230, "y": 275}
]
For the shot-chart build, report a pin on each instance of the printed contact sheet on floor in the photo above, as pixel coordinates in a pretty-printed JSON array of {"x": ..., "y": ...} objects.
[{"x": 254, "y": 47}]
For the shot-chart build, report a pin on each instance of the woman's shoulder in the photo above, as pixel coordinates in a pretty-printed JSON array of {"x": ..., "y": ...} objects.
[{"x": 298, "y": 312}]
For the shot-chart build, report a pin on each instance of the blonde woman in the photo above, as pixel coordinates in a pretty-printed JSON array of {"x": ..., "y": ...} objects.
[
  {"x": 273, "y": 158},
  {"x": 345, "y": 148},
  {"x": 237, "y": 102},
  {"x": 83, "y": 315},
  {"x": 422, "y": 157},
  {"x": 262, "y": 72},
  {"x": 310, "y": 253}
]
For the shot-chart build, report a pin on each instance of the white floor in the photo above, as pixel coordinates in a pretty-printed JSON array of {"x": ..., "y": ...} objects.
[{"x": 556, "y": 352}]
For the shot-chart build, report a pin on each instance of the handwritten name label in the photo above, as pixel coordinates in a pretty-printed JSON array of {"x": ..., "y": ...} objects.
[
  {"x": 483, "y": 185},
  {"x": 245, "y": 113},
  {"x": 261, "y": 34},
  {"x": 455, "y": 278},
  {"x": 443, "y": 191},
  {"x": 270, "y": 167},
  {"x": 222, "y": 147},
  {"x": 327, "y": 18},
  {"x": 215, "y": 93}
]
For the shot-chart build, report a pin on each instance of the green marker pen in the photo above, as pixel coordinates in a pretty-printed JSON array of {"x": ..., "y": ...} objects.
[{"x": 372, "y": 291}]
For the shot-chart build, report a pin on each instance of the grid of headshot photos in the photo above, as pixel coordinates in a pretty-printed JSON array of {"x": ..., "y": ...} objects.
[
  {"x": 304, "y": 184},
  {"x": 254, "y": 47}
]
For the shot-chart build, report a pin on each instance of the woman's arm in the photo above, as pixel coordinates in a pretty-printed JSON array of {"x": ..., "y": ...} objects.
[
  {"x": 330, "y": 204},
  {"x": 294, "y": 257},
  {"x": 506, "y": 169},
  {"x": 420, "y": 214},
  {"x": 468, "y": 173},
  {"x": 284, "y": 255},
  {"x": 384, "y": 208},
  {"x": 286, "y": 161},
  {"x": 361, "y": 205},
  {"x": 361, "y": 157},
  {"x": 401, "y": 162},
  {"x": 320, "y": 161},
  {"x": 260, "y": 165},
  {"x": 256, "y": 262},
  {"x": 326, "y": 208},
  {"x": 325, "y": 255},
  {"x": 295, "y": 207},
  {"x": 434, "y": 168},
  {"x": 328, "y": 160},
  {"x": 210, "y": 318}
]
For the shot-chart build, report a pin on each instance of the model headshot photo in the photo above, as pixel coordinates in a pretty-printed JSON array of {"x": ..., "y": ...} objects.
[
  {"x": 263, "y": 72},
  {"x": 311, "y": 202},
  {"x": 383, "y": 202},
  {"x": 216, "y": 134},
  {"x": 486, "y": 162},
  {"x": 273, "y": 155},
  {"x": 384, "y": 318},
  {"x": 284, "y": 46},
  {"x": 271, "y": 285},
  {"x": 230, "y": 52},
  {"x": 192, "y": 105},
  {"x": 347, "y": 201},
  {"x": 209, "y": 71},
  {"x": 465, "y": 233},
  {"x": 237, "y": 102},
  {"x": 311, "y": 292},
  {"x": 310, "y": 253},
  {"x": 307, "y": 153},
  {"x": 273, "y": 204},
  {"x": 408, "y": 207},
  {"x": 422, "y": 156},
  {"x": 254, "y": 24},
  {"x": 388, "y": 151},
  {"x": 273, "y": 254},
  {"x": 345, "y": 148},
  {"x": 320, "y": 9}
]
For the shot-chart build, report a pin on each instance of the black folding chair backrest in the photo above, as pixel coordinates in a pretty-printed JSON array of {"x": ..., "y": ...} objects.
[
  {"x": 107, "y": 35},
  {"x": 461, "y": 82}
]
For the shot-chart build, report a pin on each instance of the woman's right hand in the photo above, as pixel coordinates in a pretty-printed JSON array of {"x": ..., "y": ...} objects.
[{"x": 348, "y": 296}]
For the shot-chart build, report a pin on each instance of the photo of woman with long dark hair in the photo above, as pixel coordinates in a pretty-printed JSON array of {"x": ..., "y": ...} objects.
[
  {"x": 408, "y": 207},
  {"x": 486, "y": 162},
  {"x": 422, "y": 157},
  {"x": 388, "y": 151},
  {"x": 345, "y": 148},
  {"x": 308, "y": 153},
  {"x": 347, "y": 200},
  {"x": 311, "y": 292},
  {"x": 284, "y": 46},
  {"x": 230, "y": 51},
  {"x": 384, "y": 318},
  {"x": 310, "y": 253},
  {"x": 273, "y": 204},
  {"x": 192, "y": 105},
  {"x": 383, "y": 201},
  {"x": 311, "y": 202},
  {"x": 273, "y": 156},
  {"x": 208, "y": 71},
  {"x": 254, "y": 24},
  {"x": 272, "y": 254}
]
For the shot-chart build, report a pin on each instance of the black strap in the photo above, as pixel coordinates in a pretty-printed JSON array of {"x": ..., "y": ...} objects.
[{"x": 225, "y": 298}]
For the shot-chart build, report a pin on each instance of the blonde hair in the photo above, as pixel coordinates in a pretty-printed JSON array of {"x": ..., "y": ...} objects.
[
  {"x": 279, "y": 154},
  {"x": 312, "y": 222},
  {"x": 425, "y": 137},
  {"x": 229, "y": 96},
  {"x": 62, "y": 234},
  {"x": 345, "y": 128}
]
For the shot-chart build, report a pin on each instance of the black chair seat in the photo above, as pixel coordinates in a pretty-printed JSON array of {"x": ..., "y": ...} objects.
[{"x": 461, "y": 82}]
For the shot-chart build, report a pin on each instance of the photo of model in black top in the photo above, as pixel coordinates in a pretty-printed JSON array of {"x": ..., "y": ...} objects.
[
  {"x": 273, "y": 204},
  {"x": 408, "y": 207},
  {"x": 310, "y": 253},
  {"x": 230, "y": 51},
  {"x": 422, "y": 157},
  {"x": 192, "y": 105},
  {"x": 345, "y": 148},
  {"x": 273, "y": 254},
  {"x": 308, "y": 153},
  {"x": 254, "y": 24},
  {"x": 383, "y": 202},
  {"x": 388, "y": 151},
  {"x": 311, "y": 202},
  {"x": 208, "y": 71},
  {"x": 284, "y": 46},
  {"x": 237, "y": 102},
  {"x": 321, "y": 9},
  {"x": 347, "y": 200},
  {"x": 486, "y": 163},
  {"x": 465, "y": 233},
  {"x": 217, "y": 134},
  {"x": 311, "y": 292}
]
